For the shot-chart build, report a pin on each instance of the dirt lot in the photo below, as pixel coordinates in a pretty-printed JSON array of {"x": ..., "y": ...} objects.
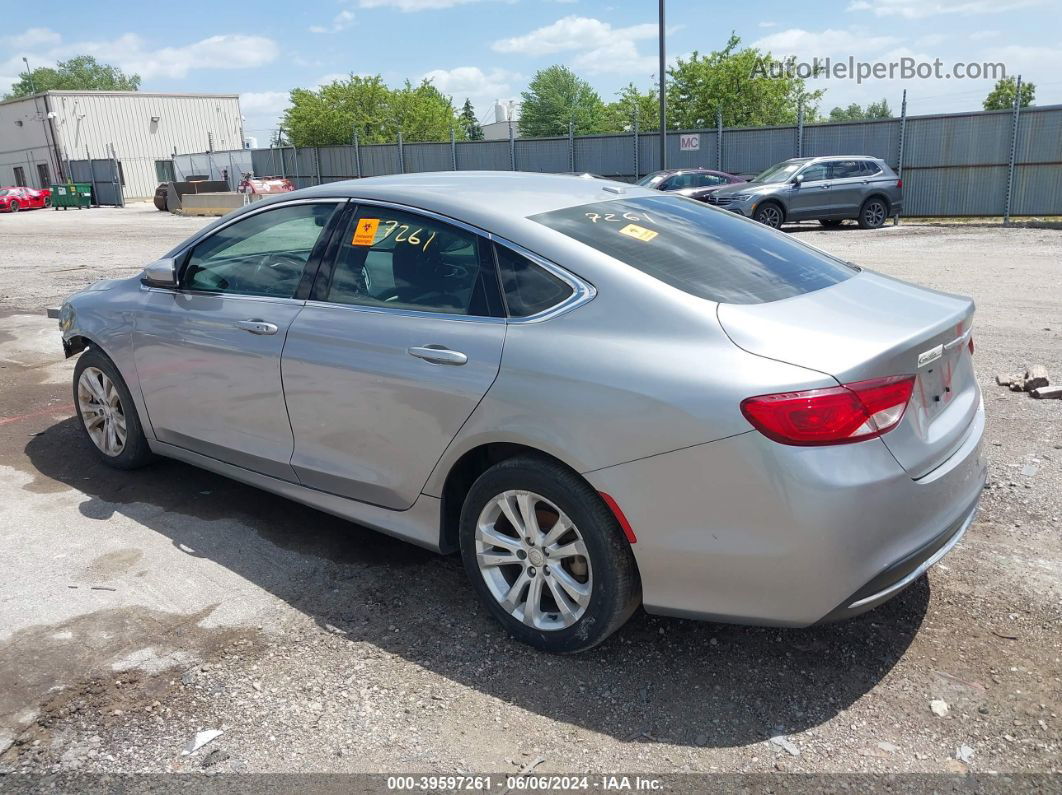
[{"x": 137, "y": 609}]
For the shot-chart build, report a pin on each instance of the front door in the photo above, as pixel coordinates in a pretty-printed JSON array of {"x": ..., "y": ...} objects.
[
  {"x": 401, "y": 341},
  {"x": 809, "y": 198},
  {"x": 208, "y": 354}
]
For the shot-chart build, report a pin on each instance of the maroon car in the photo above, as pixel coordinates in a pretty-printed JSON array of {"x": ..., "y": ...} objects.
[
  {"x": 697, "y": 183},
  {"x": 13, "y": 199}
]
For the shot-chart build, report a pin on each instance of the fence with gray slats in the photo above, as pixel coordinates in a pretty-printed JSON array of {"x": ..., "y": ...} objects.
[{"x": 956, "y": 164}]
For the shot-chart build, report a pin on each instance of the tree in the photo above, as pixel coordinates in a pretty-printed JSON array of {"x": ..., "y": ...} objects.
[
  {"x": 749, "y": 88},
  {"x": 80, "y": 73},
  {"x": 555, "y": 97},
  {"x": 365, "y": 105},
  {"x": 1002, "y": 96},
  {"x": 632, "y": 103},
  {"x": 875, "y": 110},
  {"x": 469, "y": 123}
]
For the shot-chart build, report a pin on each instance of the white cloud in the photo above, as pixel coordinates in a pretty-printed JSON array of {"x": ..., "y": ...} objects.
[
  {"x": 471, "y": 82},
  {"x": 920, "y": 9},
  {"x": 131, "y": 53},
  {"x": 31, "y": 39},
  {"x": 806, "y": 44},
  {"x": 414, "y": 5},
  {"x": 264, "y": 101},
  {"x": 341, "y": 21},
  {"x": 601, "y": 48}
]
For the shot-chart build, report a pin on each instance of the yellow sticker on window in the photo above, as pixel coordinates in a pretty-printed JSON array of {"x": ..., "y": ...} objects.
[
  {"x": 365, "y": 234},
  {"x": 639, "y": 232}
]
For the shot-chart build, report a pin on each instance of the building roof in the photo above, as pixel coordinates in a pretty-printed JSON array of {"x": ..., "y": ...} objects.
[{"x": 60, "y": 92}]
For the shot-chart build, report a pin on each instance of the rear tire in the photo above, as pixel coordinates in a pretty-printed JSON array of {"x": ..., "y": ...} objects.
[
  {"x": 873, "y": 213},
  {"x": 47, "y": 202},
  {"x": 107, "y": 413},
  {"x": 831, "y": 223},
  {"x": 769, "y": 214},
  {"x": 15, "y": 207},
  {"x": 565, "y": 581}
]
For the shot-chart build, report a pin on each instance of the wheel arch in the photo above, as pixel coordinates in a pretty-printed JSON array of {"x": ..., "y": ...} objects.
[
  {"x": 878, "y": 195},
  {"x": 777, "y": 203},
  {"x": 463, "y": 472}
]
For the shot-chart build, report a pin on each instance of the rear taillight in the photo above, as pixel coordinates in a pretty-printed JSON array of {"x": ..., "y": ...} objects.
[
  {"x": 836, "y": 415},
  {"x": 899, "y": 183}
]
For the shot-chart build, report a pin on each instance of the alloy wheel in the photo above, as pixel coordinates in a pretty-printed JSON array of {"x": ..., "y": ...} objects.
[
  {"x": 101, "y": 411},
  {"x": 14, "y": 207},
  {"x": 874, "y": 214},
  {"x": 533, "y": 560},
  {"x": 770, "y": 216}
]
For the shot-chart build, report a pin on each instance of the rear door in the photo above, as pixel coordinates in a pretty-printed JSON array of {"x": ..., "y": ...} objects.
[
  {"x": 208, "y": 354},
  {"x": 847, "y": 185},
  {"x": 401, "y": 340}
]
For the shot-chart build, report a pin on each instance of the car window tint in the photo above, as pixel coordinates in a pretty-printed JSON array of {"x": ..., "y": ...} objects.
[
  {"x": 528, "y": 287},
  {"x": 814, "y": 172},
  {"x": 399, "y": 260},
  {"x": 845, "y": 169},
  {"x": 703, "y": 251},
  {"x": 262, "y": 254},
  {"x": 710, "y": 180},
  {"x": 870, "y": 169}
]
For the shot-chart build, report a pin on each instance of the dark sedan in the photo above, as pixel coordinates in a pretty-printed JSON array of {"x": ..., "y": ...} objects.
[{"x": 697, "y": 183}]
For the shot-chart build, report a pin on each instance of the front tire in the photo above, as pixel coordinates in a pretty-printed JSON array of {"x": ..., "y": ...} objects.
[
  {"x": 873, "y": 213},
  {"x": 769, "y": 214},
  {"x": 546, "y": 555},
  {"x": 14, "y": 207},
  {"x": 107, "y": 413}
]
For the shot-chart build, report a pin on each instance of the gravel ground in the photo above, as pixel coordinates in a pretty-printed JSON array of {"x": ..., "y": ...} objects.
[{"x": 138, "y": 609}]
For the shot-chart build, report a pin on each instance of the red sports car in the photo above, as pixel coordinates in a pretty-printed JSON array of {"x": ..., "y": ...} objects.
[{"x": 14, "y": 199}]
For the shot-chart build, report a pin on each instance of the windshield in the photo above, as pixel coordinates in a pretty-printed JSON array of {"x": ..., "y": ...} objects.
[
  {"x": 4, "y": 192},
  {"x": 652, "y": 180},
  {"x": 703, "y": 251},
  {"x": 780, "y": 172}
]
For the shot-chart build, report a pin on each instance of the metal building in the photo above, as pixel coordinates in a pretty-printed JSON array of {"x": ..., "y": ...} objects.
[{"x": 39, "y": 134}]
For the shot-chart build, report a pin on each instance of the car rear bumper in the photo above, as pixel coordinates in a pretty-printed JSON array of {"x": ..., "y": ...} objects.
[{"x": 749, "y": 531}]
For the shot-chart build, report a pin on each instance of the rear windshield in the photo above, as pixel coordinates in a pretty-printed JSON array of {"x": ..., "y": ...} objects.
[{"x": 703, "y": 251}]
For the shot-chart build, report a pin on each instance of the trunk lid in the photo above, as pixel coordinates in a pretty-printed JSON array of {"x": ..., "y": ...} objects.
[{"x": 872, "y": 326}]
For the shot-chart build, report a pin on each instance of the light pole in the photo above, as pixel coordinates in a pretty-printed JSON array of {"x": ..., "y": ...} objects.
[
  {"x": 29, "y": 74},
  {"x": 663, "y": 97}
]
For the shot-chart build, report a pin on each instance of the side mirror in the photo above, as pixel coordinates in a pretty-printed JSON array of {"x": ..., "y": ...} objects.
[
  {"x": 798, "y": 179},
  {"x": 160, "y": 273}
]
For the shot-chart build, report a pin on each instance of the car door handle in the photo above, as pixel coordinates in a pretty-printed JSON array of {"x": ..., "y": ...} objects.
[
  {"x": 257, "y": 327},
  {"x": 436, "y": 354}
]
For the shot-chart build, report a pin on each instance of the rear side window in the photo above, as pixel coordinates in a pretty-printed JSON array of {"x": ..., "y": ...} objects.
[
  {"x": 703, "y": 251},
  {"x": 528, "y": 287}
]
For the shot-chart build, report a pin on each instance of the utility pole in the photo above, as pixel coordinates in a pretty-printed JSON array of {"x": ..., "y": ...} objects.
[{"x": 663, "y": 96}]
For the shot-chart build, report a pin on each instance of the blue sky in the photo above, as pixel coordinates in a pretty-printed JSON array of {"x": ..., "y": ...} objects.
[{"x": 488, "y": 49}]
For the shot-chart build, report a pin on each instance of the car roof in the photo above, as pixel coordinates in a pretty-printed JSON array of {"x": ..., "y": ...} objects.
[{"x": 492, "y": 200}]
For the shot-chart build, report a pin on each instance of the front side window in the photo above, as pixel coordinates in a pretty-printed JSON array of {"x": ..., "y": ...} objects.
[
  {"x": 705, "y": 252},
  {"x": 263, "y": 254},
  {"x": 398, "y": 260},
  {"x": 782, "y": 172},
  {"x": 652, "y": 180},
  {"x": 528, "y": 287},
  {"x": 814, "y": 172}
]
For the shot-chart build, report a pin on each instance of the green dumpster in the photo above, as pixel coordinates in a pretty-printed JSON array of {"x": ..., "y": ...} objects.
[{"x": 72, "y": 194}]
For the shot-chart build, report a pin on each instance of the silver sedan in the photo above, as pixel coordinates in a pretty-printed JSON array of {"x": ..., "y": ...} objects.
[{"x": 601, "y": 395}]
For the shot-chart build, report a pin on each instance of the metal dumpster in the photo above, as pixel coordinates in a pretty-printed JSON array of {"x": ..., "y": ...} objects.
[{"x": 72, "y": 194}]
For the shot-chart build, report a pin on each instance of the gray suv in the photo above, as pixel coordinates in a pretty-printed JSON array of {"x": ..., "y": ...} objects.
[{"x": 824, "y": 189}]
